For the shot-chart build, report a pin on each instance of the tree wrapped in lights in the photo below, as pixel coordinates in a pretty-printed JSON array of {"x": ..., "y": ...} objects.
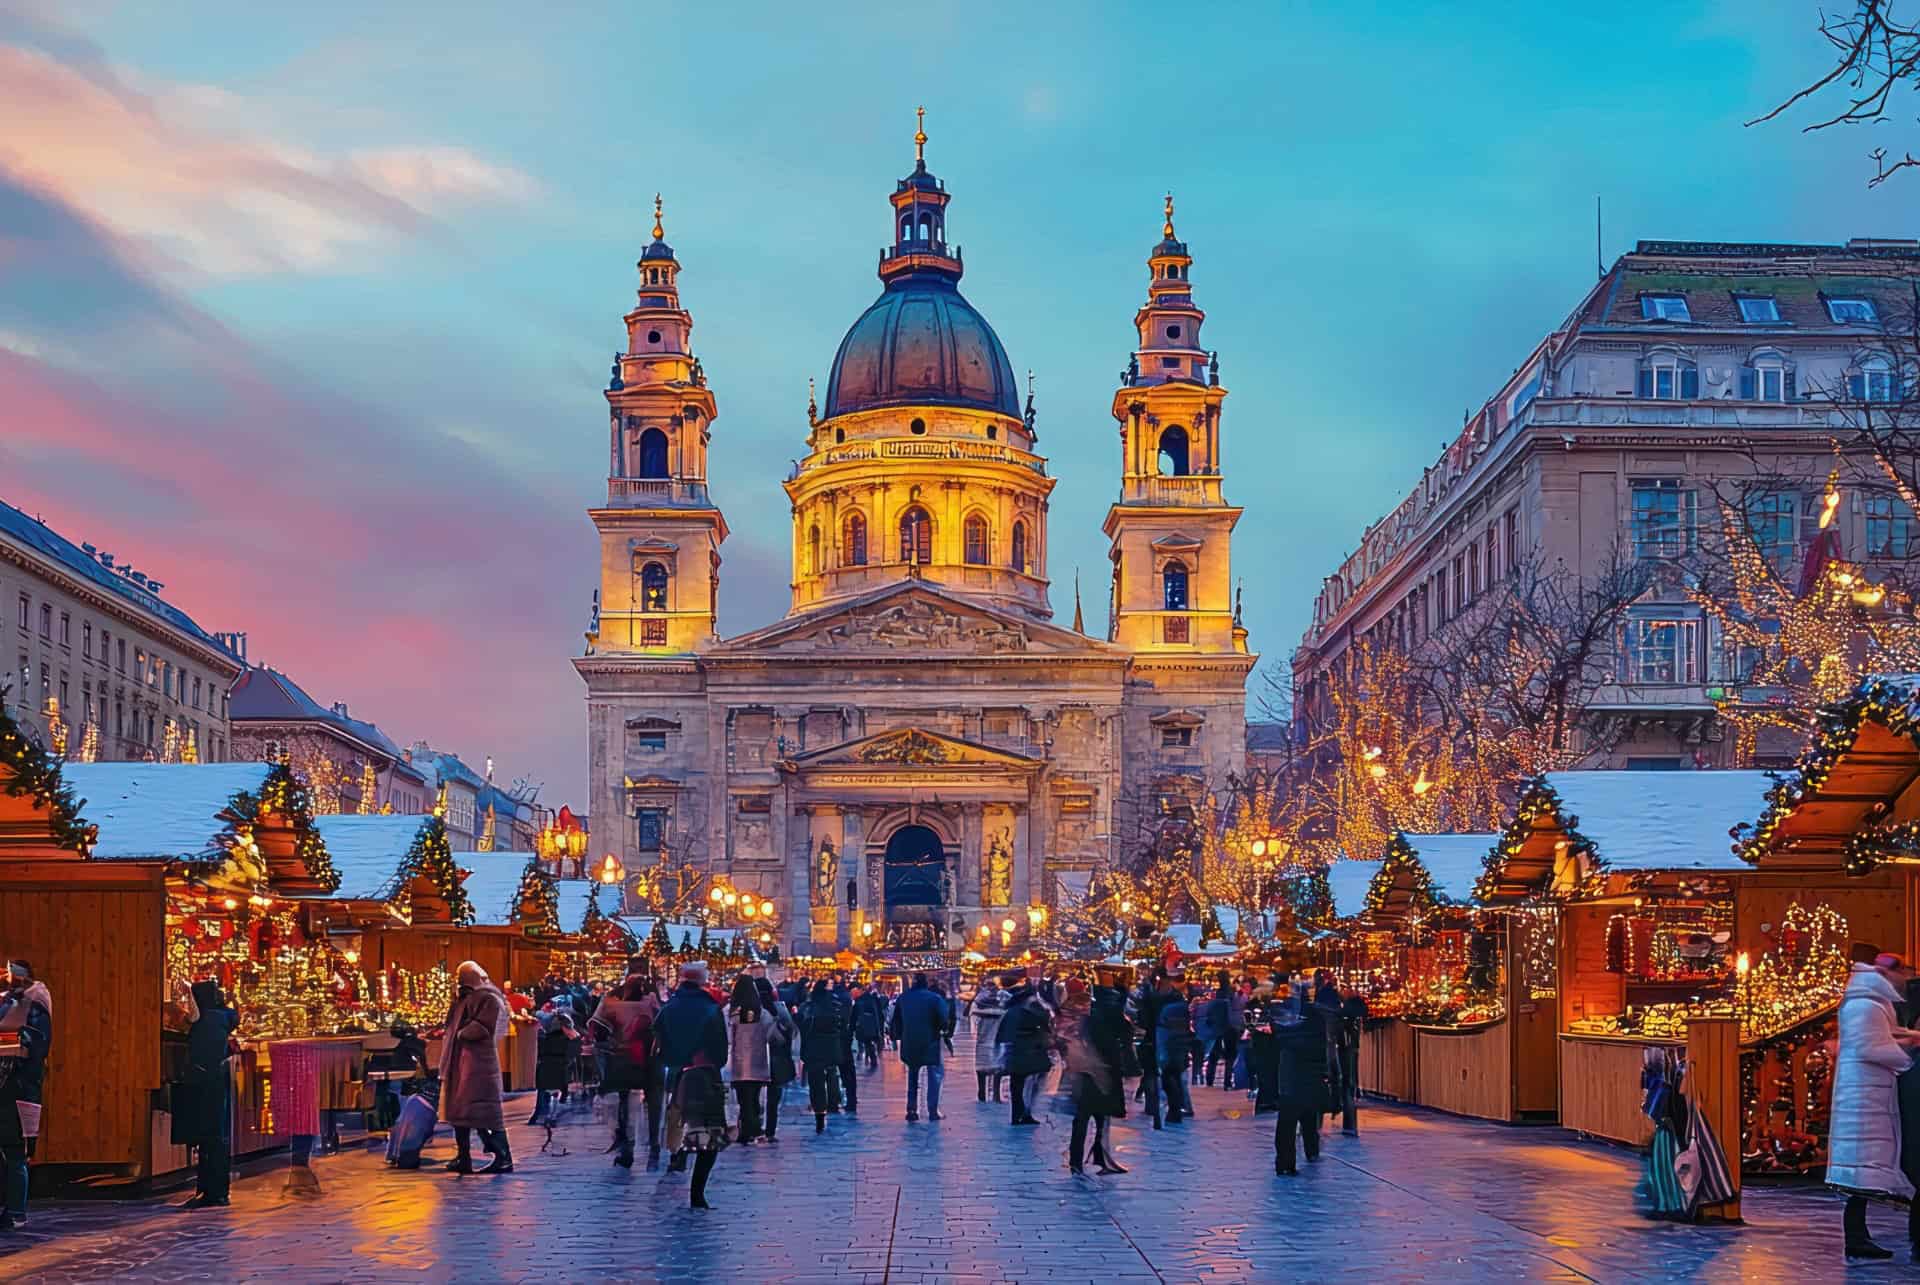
[
  {"x": 538, "y": 900},
  {"x": 431, "y": 854},
  {"x": 284, "y": 794},
  {"x": 32, "y": 773},
  {"x": 1400, "y": 859},
  {"x": 369, "y": 789}
]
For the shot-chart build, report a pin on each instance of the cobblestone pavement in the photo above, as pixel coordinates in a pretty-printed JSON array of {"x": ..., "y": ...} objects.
[{"x": 1418, "y": 1196}]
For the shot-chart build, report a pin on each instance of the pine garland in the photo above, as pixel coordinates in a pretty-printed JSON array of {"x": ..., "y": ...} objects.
[
  {"x": 1310, "y": 896},
  {"x": 1537, "y": 800},
  {"x": 1400, "y": 856},
  {"x": 536, "y": 884},
  {"x": 35, "y": 774},
  {"x": 431, "y": 854},
  {"x": 283, "y": 792},
  {"x": 1892, "y": 703}
]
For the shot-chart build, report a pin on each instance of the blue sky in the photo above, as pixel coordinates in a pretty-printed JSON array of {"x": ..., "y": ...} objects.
[{"x": 381, "y": 253}]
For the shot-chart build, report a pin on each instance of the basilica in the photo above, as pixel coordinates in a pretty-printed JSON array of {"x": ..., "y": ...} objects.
[{"x": 916, "y": 754}]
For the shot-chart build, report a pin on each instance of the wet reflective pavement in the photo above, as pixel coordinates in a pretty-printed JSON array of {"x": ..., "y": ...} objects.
[{"x": 1417, "y": 1197}]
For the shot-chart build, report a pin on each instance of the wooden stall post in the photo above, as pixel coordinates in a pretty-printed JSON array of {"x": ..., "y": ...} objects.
[{"x": 1713, "y": 1088}]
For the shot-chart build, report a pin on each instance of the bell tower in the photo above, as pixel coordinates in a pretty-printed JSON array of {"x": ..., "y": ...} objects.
[
  {"x": 1171, "y": 530},
  {"x": 660, "y": 532}
]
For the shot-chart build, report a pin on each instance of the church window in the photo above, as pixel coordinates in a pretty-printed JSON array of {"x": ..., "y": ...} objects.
[
  {"x": 814, "y": 563},
  {"x": 918, "y": 427},
  {"x": 976, "y": 534},
  {"x": 650, "y": 826},
  {"x": 856, "y": 540},
  {"x": 1173, "y": 582},
  {"x": 653, "y": 587},
  {"x": 906, "y": 228},
  {"x": 916, "y": 536},
  {"x": 1176, "y": 737},
  {"x": 993, "y": 432},
  {"x": 653, "y": 453},
  {"x": 1019, "y": 559},
  {"x": 839, "y": 435},
  {"x": 1173, "y": 452}
]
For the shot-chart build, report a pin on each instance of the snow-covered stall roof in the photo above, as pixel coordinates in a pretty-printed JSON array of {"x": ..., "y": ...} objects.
[
  {"x": 642, "y": 925},
  {"x": 573, "y": 902},
  {"x": 1660, "y": 820},
  {"x": 369, "y": 852},
  {"x": 493, "y": 884},
  {"x": 1348, "y": 882},
  {"x": 1453, "y": 860},
  {"x": 1186, "y": 940},
  {"x": 157, "y": 811}
]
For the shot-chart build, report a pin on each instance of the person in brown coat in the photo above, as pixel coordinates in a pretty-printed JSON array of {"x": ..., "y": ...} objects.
[{"x": 470, "y": 1071}]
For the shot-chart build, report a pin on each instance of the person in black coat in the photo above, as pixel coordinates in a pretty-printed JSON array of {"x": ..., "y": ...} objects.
[
  {"x": 691, "y": 1031},
  {"x": 553, "y": 1065},
  {"x": 869, "y": 1018},
  {"x": 1303, "y": 1087},
  {"x": 821, "y": 1031},
  {"x": 211, "y": 1093},
  {"x": 1146, "y": 1001},
  {"x": 919, "y": 1027},
  {"x": 1096, "y": 1061},
  {"x": 1173, "y": 1047},
  {"x": 1027, "y": 1031},
  {"x": 779, "y": 1057},
  {"x": 845, "y": 1068}
]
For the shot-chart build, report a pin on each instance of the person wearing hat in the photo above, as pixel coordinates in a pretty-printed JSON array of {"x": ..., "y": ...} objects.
[
  {"x": 1863, "y": 1132},
  {"x": 26, "y": 1014},
  {"x": 693, "y": 1049}
]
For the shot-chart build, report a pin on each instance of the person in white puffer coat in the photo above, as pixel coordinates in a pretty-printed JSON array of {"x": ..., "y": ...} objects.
[{"x": 1863, "y": 1142}]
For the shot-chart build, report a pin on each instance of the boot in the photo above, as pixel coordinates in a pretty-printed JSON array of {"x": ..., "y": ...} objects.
[
  {"x": 503, "y": 1160},
  {"x": 819, "y": 1121},
  {"x": 1104, "y": 1162},
  {"x": 1859, "y": 1242},
  {"x": 982, "y": 1078},
  {"x": 653, "y": 1159}
]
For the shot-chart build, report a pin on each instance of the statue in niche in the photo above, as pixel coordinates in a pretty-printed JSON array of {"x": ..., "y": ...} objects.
[
  {"x": 826, "y": 867},
  {"x": 999, "y": 881}
]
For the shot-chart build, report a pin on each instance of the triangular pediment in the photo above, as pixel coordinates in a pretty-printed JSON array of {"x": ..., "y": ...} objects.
[
  {"x": 910, "y": 747},
  {"x": 1177, "y": 540},
  {"x": 913, "y": 616}
]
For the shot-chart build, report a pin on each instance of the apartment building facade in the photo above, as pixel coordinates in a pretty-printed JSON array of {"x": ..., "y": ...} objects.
[
  {"x": 1690, "y": 373},
  {"x": 99, "y": 665}
]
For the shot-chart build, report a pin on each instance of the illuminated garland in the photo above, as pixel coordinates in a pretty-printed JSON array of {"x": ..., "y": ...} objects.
[
  {"x": 1537, "y": 799},
  {"x": 1309, "y": 895},
  {"x": 431, "y": 854},
  {"x": 537, "y": 885},
  {"x": 34, "y": 774},
  {"x": 283, "y": 793},
  {"x": 1400, "y": 856},
  {"x": 1893, "y": 705}
]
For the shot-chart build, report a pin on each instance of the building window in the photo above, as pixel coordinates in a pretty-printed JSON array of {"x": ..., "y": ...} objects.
[
  {"x": 1874, "y": 381},
  {"x": 651, "y": 742},
  {"x": 976, "y": 540},
  {"x": 121, "y": 656},
  {"x": 918, "y": 427},
  {"x": 1513, "y": 538},
  {"x": 653, "y": 453},
  {"x": 1473, "y": 568},
  {"x": 196, "y": 692},
  {"x": 46, "y": 620},
  {"x": 1662, "y": 651},
  {"x": 26, "y": 610},
  {"x": 815, "y": 564},
  {"x": 66, "y": 630},
  {"x": 653, "y": 633},
  {"x": 1766, "y": 381},
  {"x": 1019, "y": 558},
  {"x": 1664, "y": 307},
  {"x": 1173, "y": 586},
  {"x": 1758, "y": 308},
  {"x": 1460, "y": 599},
  {"x": 1847, "y": 311},
  {"x": 1667, "y": 377},
  {"x": 1663, "y": 517},
  {"x": 1889, "y": 526},
  {"x": 916, "y": 536},
  {"x": 650, "y": 828},
  {"x": 1176, "y": 737},
  {"x": 86, "y": 640},
  {"x": 1492, "y": 567},
  {"x": 653, "y": 587},
  {"x": 1777, "y": 520},
  {"x": 856, "y": 540},
  {"x": 1173, "y": 452}
]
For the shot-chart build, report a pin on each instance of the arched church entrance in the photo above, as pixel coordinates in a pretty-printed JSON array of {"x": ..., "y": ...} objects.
[{"x": 914, "y": 887}]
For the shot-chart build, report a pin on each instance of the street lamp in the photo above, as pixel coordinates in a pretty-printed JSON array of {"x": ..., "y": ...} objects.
[
  {"x": 866, "y": 929},
  {"x": 611, "y": 871}
]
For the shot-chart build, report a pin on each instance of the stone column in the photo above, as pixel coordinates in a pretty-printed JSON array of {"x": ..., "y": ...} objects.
[{"x": 972, "y": 852}]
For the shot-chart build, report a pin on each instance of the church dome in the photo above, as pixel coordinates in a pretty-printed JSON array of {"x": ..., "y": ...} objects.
[{"x": 921, "y": 344}]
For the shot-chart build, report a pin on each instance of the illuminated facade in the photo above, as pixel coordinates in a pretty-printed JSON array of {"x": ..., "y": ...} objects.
[{"x": 915, "y": 749}]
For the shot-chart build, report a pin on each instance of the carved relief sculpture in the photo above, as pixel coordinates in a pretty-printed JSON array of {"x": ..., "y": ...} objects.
[
  {"x": 911, "y": 748},
  {"x": 826, "y": 869},
  {"x": 997, "y": 885}
]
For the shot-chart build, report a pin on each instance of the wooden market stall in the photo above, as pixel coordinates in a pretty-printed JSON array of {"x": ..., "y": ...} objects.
[
  {"x": 1834, "y": 853},
  {"x": 1633, "y": 872}
]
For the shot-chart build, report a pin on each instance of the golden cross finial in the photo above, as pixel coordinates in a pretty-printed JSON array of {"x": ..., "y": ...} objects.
[
  {"x": 920, "y": 135},
  {"x": 658, "y": 231},
  {"x": 1167, "y": 231}
]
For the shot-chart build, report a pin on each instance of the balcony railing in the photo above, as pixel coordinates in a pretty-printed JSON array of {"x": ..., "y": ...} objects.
[
  {"x": 654, "y": 490},
  {"x": 1190, "y": 489}
]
